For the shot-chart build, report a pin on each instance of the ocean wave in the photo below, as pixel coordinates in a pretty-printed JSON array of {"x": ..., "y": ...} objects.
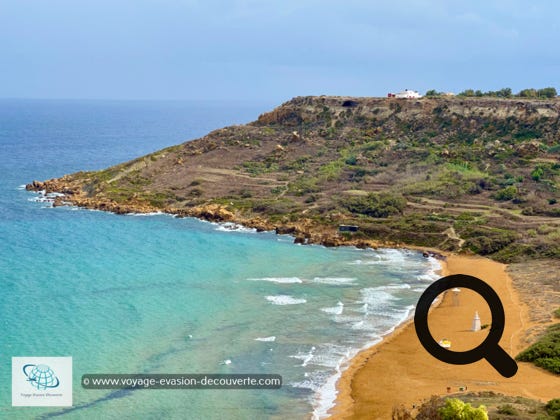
[
  {"x": 347, "y": 318},
  {"x": 425, "y": 278},
  {"x": 392, "y": 286},
  {"x": 266, "y": 339},
  {"x": 326, "y": 393},
  {"x": 431, "y": 274},
  {"x": 323, "y": 384},
  {"x": 335, "y": 310},
  {"x": 284, "y": 280},
  {"x": 401, "y": 316},
  {"x": 306, "y": 384},
  {"x": 285, "y": 300},
  {"x": 326, "y": 355},
  {"x": 336, "y": 281},
  {"x": 153, "y": 213},
  {"x": 331, "y": 356},
  {"x": 21, "y": 187},
  {"x": 39, "y": 199},
  {"x": 44, "y": 197},
  {"x": 376, "y": 298},
  {"x": 367, "y": 262},
  {"x": 234, "y": 227},
  {"x": 305, "y": 357}
]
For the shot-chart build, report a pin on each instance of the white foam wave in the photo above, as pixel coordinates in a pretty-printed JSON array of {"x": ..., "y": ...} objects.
[
  {"x": 336, "y": 357},
  {"x": 367, "y": 262},
  {"x": 335, "y": 310},
  {"x": 335, "y": 281},
  {"x": 306, "y": 384},
  {"x": 305, "y": 357},
  {"x": 426, "y": 278},
  {"x": 348, "y": 319},
  {"x": 21, "y": 187},
  {"x": 234, "y": 227},
  {"x": 431, "y": 274},
  {"x": 375, "y": 298},
  {"x": 153, "y": 213},
  {"x": 285, "y": 300},
  {"x": 384, "y": 256},
  {"x": 285, "y": 280},
  {"x": 266, "y": 339},
  {"x": 327, "y": 355},
  {"x": 392, "y": 286},
  {"x": 44, "y": 197},
  {"x": 326, "y": 393}
]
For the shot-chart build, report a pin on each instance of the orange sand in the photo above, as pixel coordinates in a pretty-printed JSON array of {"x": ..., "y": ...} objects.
[{"x": 399, "y": 370}]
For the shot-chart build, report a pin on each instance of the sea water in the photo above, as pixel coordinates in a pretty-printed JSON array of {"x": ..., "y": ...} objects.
[{"x": 158, "y": 294}]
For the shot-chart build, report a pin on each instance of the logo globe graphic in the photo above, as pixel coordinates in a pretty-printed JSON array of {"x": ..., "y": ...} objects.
[{"x": 41, "y": 377}]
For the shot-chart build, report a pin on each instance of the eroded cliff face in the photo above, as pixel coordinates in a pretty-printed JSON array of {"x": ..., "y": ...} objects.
[
  {"x": 313, "y": 109},
  {"x": 404, "y": 170}
]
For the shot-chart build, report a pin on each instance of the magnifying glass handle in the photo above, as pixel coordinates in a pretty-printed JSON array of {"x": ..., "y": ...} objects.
[{"x": 501, "y": 361}]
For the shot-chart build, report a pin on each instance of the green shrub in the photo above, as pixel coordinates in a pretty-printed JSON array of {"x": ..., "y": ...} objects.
[
  {"x": 351, "y": 160},
  {"x": 303, "y": 186},
  {"x": 545, "y": 353},
  {"x": 455, "y": 409},
  {"x": 537, "y": 173},
  {"x": 196, "y": 192},
  {"x": 528, "y": 93},
  {"x": 433, "y": 93},
  {"x": 554, "y": 149},
  {"x": 557, "y": 313},
  {"x": 506, "y": 194},
  {"x": 548, "y": 92},
  {"x": 376, "y": 205},
  {"x": 484, "y": 240},
  {"x": 507, "y": 409},
  {"x": 245, "y": 193},
  {"x": 553, "y": 408},
  {"x": 331, "y": 171},
  {"x": 255, "y": 168}
]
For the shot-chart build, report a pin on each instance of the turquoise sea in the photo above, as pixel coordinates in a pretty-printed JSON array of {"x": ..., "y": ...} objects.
[{"x": 157, "y": 294}]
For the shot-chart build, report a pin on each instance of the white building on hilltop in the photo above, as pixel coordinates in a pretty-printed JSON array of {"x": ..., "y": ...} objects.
[{"x": 406, "y": 94}]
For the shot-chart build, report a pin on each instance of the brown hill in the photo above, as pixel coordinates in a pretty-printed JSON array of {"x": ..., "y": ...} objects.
[{"x": 451, "y": 173}]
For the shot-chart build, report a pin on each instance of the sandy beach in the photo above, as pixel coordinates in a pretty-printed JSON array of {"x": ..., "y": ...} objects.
[{"x": 399, "y": 371}]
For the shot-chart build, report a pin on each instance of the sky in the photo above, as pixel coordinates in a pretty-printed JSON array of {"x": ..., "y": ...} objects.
[{"x": 272, "y": 50}]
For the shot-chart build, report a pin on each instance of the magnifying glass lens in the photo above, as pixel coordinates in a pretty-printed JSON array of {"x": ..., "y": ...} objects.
[{"x": 460, "y": 319}]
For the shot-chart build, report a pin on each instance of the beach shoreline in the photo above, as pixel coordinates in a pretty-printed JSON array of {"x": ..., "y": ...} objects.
[{"x": 398, "y": 371}]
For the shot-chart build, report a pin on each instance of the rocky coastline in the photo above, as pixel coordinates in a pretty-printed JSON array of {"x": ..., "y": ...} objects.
[{"x": 66, "y": 192}]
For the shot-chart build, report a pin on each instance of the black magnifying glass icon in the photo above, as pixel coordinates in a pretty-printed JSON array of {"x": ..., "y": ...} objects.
[{"x": 489, "y": 349}]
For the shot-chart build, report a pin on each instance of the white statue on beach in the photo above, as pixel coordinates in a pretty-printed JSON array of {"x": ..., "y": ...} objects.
[{"x": 476, "y": 322}]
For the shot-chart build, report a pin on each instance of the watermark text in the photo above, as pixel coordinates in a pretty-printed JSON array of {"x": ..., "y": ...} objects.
[{"x": 181, "y": 381}]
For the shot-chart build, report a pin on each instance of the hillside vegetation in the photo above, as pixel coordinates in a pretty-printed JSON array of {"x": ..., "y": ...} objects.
[{"x": 473, "y": 174}]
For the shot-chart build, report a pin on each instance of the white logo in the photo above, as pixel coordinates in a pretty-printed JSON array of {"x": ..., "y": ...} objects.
[{"x": 42, "y": 381}]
